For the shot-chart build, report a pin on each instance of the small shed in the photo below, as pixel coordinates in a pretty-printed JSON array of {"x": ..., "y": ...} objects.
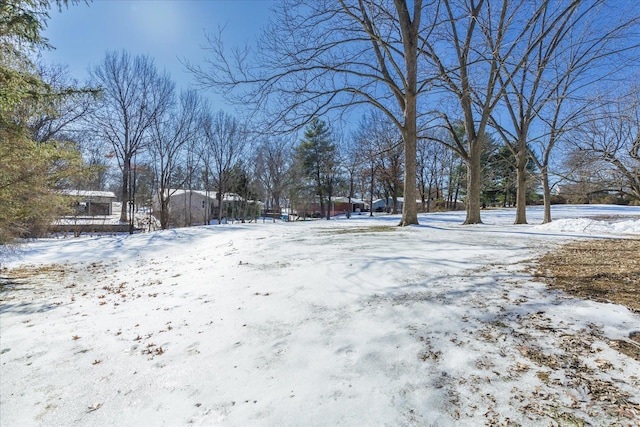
[{"x": 92, "y": 203}]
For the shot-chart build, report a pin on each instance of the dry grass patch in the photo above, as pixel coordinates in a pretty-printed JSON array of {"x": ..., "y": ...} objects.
[
  {"x": 604, "y": 270},
  {"x": 601, "y": 270}
]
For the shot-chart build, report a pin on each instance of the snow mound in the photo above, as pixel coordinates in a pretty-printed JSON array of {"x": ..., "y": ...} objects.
[{"x": 588, "y": 225}]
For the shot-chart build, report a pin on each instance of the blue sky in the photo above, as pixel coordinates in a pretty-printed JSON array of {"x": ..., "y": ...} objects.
[{"x": 166, "y": 30}]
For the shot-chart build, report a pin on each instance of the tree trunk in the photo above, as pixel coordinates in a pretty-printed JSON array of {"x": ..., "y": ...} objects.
[
  {"x": 321, "y": 196},
  {"x": 276, "y": 202},
  {"x": 455, "y": 196},
  {"x": 521, "y": 187},
  {"x": 351, "y": 185},
  {"x": 125, "y": 190},
  {"x": 409, "y": 32},
  {"x": 187, "y": 214},
  {"x": 329, "y": 194},
  {"x": 164, "y": 212},
  {"x": 546, "y": 194},
  {"x": 132, "y": 195},
  {"x": 409, "y": 207},
  {"x": 372, "y": 185},
  {"x": 220, "y": 206},
  {"x": 474, "y": 180}
]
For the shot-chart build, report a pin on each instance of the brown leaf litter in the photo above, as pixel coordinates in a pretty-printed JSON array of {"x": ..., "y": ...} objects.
[{"x": 604, "y": 270}]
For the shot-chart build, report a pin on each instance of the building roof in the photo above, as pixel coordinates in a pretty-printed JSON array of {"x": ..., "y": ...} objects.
[
  {"x": 346, "y": 200},
  {"x": 226, "y": 197},
  {"x": 390, "y": 200},
  {"x": 89, "y": 193}
]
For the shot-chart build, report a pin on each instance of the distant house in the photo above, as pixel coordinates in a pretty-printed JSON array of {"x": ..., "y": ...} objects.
[
  {"x": 92, "y": 203},
  {"x": 341, "y": 205},
  {"x": 189, "y": 207},
  {"x": 386, "y": 205},
  {"x": 92, "y": 211},
  {"x": 197, "y": 207}
]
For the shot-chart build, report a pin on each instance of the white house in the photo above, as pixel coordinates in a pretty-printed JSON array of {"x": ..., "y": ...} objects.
[
  {"x": 197, "y": 207},
  {"x": 386, "y": 205},
  {"x": 189, "y": 207}
]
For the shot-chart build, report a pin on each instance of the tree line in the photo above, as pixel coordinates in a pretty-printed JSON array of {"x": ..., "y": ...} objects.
[
  {"x": 456, "y": 72},
  {"x": 470, "y": 101}
]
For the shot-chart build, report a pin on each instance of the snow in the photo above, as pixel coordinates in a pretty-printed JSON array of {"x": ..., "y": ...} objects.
[
  {"x": 628, "y": 226},
  {"x": 343, "y": 322},
  {"x": 90, "y": 193}
]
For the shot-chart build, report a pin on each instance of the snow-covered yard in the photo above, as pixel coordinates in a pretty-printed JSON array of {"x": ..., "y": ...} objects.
[{"x": 345, "y": 322}]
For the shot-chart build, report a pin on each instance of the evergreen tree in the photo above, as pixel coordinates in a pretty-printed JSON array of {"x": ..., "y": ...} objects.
[
  {"x": 500, "y": 183},
  {"x": 316, "y": 154},
  {"x": 30, "y": 171}
]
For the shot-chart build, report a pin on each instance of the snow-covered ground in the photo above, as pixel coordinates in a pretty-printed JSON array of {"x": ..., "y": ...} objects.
[{"x": 344, "y": 322}]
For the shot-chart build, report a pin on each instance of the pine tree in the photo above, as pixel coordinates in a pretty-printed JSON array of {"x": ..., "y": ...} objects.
[
  {"x": 30, "y": 171},
  {"x": 317, "y": 156}
]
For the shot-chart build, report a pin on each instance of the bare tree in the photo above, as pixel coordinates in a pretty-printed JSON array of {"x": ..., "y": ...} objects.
[
  {"x": 72, "y": 104},
  {"x": 273, "y": 163},
  {"x": 192, "y": 162},
  {"x": 170, "y": 134},
  {"x": 559, "y": 117},
  {"x": 385, "y": 143},
  {"x": 223, "y": 146},
  {"x": 610, "y": 143},
  {"x": 564, "y": 48},
  {"x": 368, "y": 156},
  {"x": 134, "y": 93},
  {"x": 425, "y": 172},
  {"x": 439, "y": 168},
  {"x": 60, "y": 117},
  {"x": 320, "y": 56},
  {"x": 469, "y": 51},
  {"x": 353, "y": 162}
]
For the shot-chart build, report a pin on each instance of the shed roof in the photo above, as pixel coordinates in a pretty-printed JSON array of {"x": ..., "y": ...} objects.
[{"x": 89, "y": 193}]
